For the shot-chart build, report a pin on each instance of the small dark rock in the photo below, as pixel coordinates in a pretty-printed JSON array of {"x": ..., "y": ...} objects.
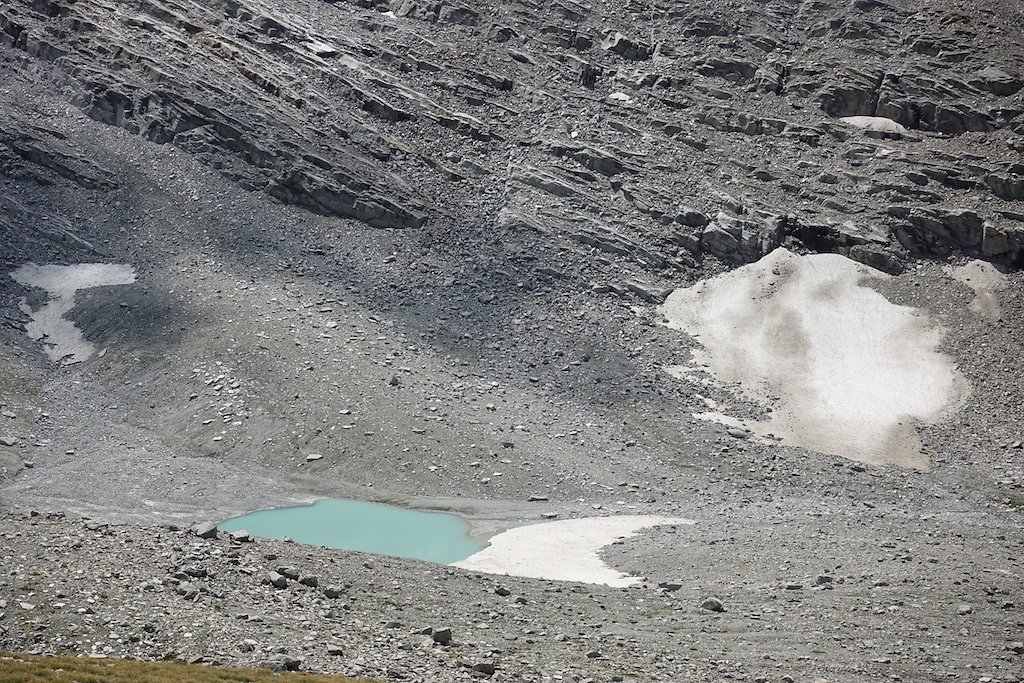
[
  {"x": 276, "y": 580},
  {"x": 713, "y": 605},
  {"x": 205, "y": 530},
  {"x": 241, "y": 536},
  {"x": 283, "y": 663},
  {"x": 485, "y": 668}
]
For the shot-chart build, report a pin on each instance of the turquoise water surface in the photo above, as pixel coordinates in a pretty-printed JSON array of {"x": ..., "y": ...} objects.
[{"x": 367, "y": 527}]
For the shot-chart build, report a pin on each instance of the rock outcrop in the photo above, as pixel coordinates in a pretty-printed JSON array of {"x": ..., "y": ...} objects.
[{"x": 349, "y": 110}]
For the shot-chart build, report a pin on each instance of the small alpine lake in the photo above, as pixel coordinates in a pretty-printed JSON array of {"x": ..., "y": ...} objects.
[{"x": 366, "y": 527}]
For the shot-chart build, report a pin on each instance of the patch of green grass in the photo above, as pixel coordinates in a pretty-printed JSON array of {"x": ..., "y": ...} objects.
[{"x": 15, "y": 668}]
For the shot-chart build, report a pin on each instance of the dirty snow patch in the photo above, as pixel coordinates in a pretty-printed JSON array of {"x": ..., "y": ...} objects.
[
  {"x": 844, "y": 370},
  {"x": 986, "y": 280},
  {"x": 62, "y": 340}
]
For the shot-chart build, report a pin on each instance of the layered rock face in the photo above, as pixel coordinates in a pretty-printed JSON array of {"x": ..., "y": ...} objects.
[{"x": 658, "y": 134}]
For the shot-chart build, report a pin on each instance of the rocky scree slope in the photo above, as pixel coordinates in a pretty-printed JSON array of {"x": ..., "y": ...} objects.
[
  {"x": 849, "y": 595},
  {"x": 472, "y": 200}
]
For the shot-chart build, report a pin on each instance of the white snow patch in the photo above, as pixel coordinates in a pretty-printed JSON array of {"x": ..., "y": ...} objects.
[
  {"x": 845, "y": 371},
  {"x": 62, "y": 339},
  {"x": 566, "y": 550},
  {"x": 875, "y": 124}
]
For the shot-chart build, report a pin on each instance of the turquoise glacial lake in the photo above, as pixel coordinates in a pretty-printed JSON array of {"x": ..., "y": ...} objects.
[{"x": 366, "y": 527}]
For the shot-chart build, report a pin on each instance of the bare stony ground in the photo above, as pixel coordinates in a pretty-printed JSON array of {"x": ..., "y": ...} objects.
[{"x": 428, "y": 242}]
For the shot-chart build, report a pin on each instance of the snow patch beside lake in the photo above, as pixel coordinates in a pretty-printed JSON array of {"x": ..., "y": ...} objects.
[{"x": 566, "y": 550}]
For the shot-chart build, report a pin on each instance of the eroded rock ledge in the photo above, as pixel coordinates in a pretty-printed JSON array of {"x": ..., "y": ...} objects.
[{"x": 661, "y": 138}]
